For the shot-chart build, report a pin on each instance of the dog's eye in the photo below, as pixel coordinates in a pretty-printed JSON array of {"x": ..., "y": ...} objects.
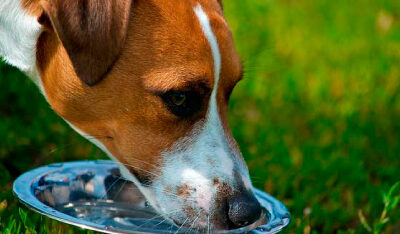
[
  {"x": 177, "y": 98},
  {"x": 182, "y": 103}
]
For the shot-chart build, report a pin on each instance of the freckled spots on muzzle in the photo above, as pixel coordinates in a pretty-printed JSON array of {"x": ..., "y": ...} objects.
[{"x": 184, "y": 191}]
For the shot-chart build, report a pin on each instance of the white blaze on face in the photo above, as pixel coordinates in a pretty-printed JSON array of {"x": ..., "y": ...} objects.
[{"x": 201, "y": 158}]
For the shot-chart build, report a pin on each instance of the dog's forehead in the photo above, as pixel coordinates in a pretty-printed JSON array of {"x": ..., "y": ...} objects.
[{"x": 173, "y": 48}]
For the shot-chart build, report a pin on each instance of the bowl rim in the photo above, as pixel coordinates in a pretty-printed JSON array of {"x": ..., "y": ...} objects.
[{"x": 26, "y": 196}]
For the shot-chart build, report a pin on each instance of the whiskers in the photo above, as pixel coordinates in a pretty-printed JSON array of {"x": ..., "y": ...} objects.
[
  {"x": 208, "y": 224},
  {"x": 162, "y": 215},
  {"x": 194, "y": 221},
  {"x": 151, "y": 173},
  {"x": 117, "y": 187}
]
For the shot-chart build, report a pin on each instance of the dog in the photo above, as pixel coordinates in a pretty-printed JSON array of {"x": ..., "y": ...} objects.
[{"x": 148, "y": 82}]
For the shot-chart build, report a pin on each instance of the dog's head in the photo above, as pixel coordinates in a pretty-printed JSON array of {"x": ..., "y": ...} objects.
[{"x": 149, "y": 81}]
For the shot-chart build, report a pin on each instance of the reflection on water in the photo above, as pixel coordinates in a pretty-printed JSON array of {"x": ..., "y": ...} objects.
[{"x": 99, "y": 196}]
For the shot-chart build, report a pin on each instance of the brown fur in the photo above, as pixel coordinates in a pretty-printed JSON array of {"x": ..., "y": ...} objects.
[
  {"x": 92, "y": 32},
  {"x": 165, "y": 47},
  {"x": 32, "y": 7},
  {"x": 184, "y": 191}
]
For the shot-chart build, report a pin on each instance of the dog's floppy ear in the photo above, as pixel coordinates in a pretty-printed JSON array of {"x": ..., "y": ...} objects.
[{"x": 93, "y": 33}]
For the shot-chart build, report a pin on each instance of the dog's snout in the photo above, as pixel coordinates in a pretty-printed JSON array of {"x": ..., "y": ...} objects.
[{"x": 244, "y": 209}]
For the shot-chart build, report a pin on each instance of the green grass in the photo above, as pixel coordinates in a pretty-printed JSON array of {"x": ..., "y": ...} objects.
[{"x": 317, "y": 115}]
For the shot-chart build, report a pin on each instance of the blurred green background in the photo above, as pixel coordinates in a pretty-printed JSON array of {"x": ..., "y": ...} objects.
[{"x": 317, "y": 115}]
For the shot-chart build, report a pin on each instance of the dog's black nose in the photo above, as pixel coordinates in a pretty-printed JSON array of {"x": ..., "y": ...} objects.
[{"x": 244, "y": 209}]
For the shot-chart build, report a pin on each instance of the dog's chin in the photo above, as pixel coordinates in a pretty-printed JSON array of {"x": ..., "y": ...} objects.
[
  {"x": 186, "y": 222},
  {"x": 201, "y": 226},
  {"x": 203, "y": 223},
  {"x": 198, "y": 226}
]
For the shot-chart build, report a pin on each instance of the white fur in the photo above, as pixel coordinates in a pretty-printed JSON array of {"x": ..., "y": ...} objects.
[
  {"x": 18, "y": 35},
  {"x": 202, "y": 184}
]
